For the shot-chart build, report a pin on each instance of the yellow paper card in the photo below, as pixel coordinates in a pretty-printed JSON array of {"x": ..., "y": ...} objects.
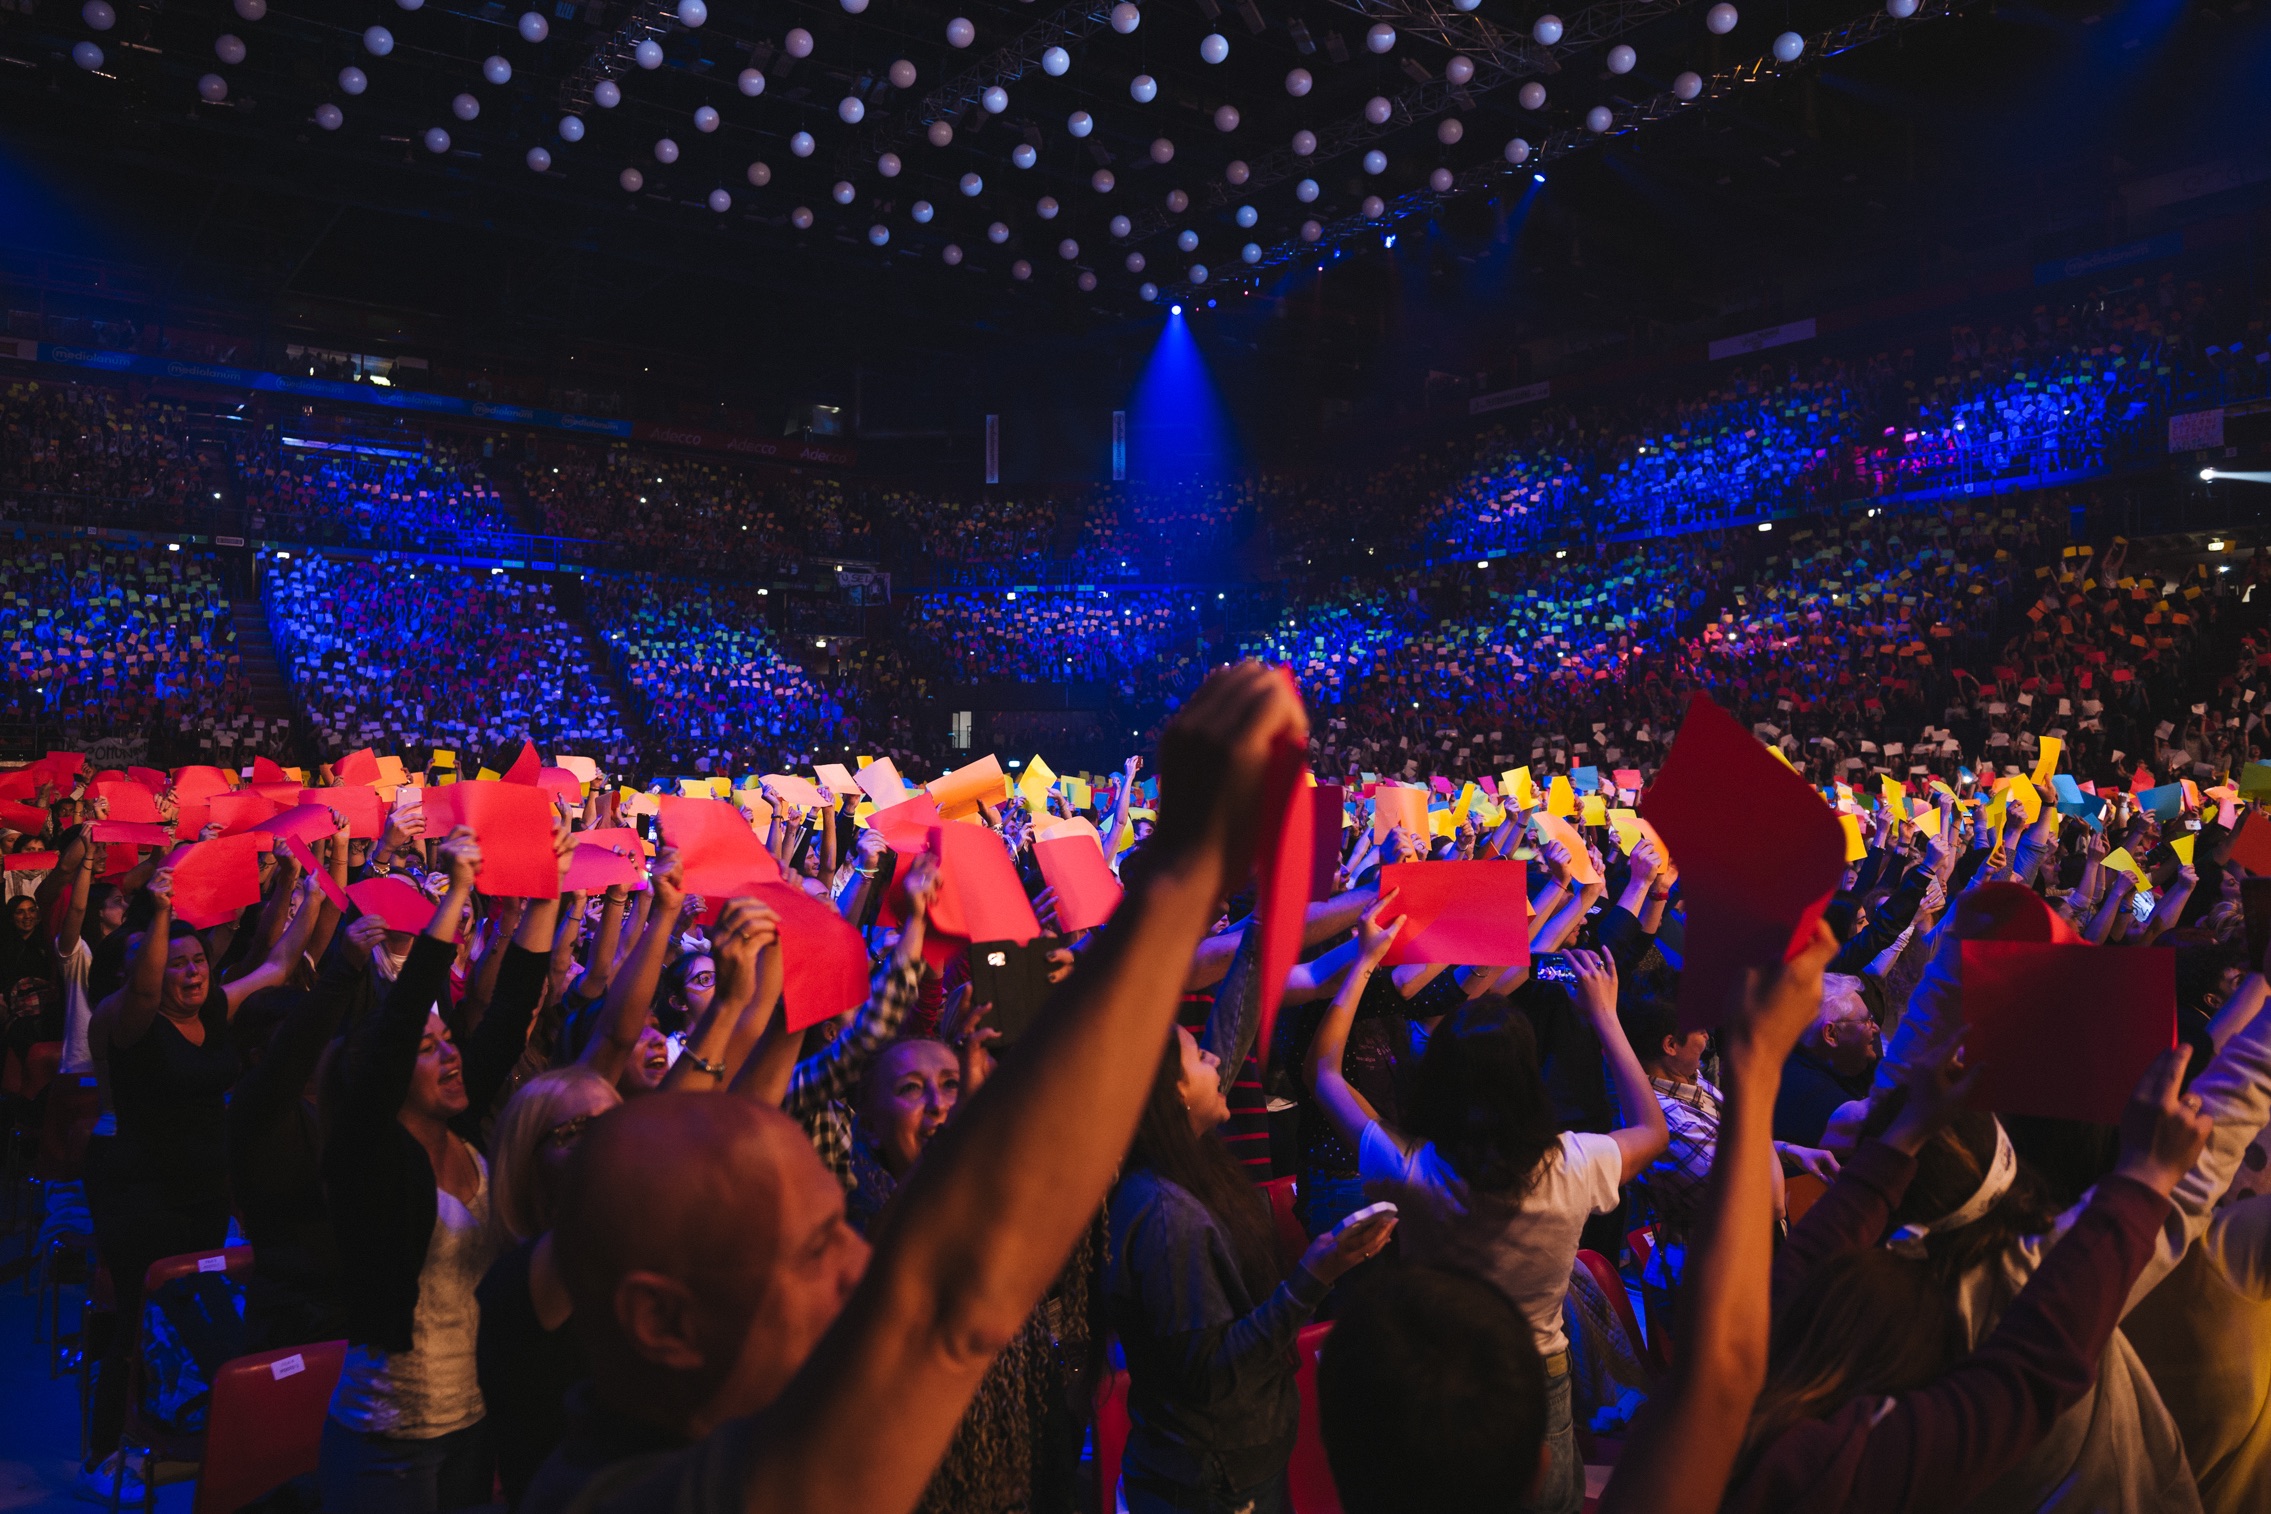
[
  {"x": 2121, "y": 862},
  {"x": 1465, "y": 804},
  {"x": 1856, "y": 846},
  {"x": 2182, "y": 846},
  {"x": 693, "y": 788},
  {"x": 864, "y": 761},
  {"x": 1517, "y": 781},
  {"x": 2046, "y": 763},
  {"x": 1077, "y": 793},
  {"x": 1593, "y": 810},
  {"x": 2023, "y": 799},
  {"x": 1561, "y": 799},
  {"x": 487, "y": 775},
  {"x": 1626, "y": 826},
  {"x": 1581, "y": 868},
  {"x": 1035, "y": 782},
  {"x": 1440, "y": 823},
  {"x": 1928, "y": 821},
  {"x": 721, "y": 787},
  {"x": 1894, "y": 795},
  {"x": 444, "y": 758}
]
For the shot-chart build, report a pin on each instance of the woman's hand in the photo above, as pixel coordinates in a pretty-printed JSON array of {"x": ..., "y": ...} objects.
[
  {"x": 366, "y": 935},
  {"x": 461, "y": 859},
  {"x": 2163, "y": 1130},
  {"x": 160, "y": 890},
  {"x": 1374, "y": 938},
  {"x": 1596, "y": 985},
  {"x": 667, "y": 876},
  {"x": 1331, "y": 1255}
]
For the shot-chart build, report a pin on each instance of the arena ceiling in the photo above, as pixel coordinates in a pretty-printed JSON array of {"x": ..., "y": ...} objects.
[{"x": 423, "y": 157}]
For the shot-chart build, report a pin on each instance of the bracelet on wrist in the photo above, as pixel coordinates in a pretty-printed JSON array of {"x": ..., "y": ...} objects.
[{"x": 701, "y": 1064}]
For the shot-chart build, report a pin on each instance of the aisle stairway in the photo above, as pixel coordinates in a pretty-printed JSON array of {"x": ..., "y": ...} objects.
[{"x": 271, "y": 691}]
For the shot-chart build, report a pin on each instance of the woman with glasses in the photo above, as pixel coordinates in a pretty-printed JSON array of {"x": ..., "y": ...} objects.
[{"x": 527, "y": 1355}]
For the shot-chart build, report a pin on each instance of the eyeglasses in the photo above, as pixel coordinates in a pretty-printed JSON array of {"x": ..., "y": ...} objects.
[
  {"x": 566, "y": 1133},
  {"x": 702, "y": 980}
]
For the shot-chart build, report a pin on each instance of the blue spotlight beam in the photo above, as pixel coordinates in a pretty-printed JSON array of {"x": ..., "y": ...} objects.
[
  {"x": 1718, "y": 87},
  {"x": 1178, "y": 428}
]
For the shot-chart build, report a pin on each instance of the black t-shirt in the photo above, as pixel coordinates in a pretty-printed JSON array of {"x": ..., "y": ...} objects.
[{"x": 526, "y": 1371}]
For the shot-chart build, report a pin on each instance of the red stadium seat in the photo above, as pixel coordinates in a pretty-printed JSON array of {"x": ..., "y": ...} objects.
[
  {"x": 1310, "y": 1477},
  {"x": 153, "y": 1443},
  {"x": 266, "y": 1423},
  {"x": 1111, "y": 1439}
]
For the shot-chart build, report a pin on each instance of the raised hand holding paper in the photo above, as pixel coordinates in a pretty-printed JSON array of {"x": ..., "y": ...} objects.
[{"x": 1759, "y": 854}]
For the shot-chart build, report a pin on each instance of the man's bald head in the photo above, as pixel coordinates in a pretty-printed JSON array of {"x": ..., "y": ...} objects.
[{"x": 699, "y": 1238}]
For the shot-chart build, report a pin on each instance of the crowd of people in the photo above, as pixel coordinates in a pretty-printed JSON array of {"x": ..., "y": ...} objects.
[
  {"x": 371, "y": 496},
  {"x": 91, "y": 453},
  {"x": 99, "y": 640},
  {"x": 642, "y": 1172},
  {"x": 405, "y": 654},
  {"x": 713, "y": 686}
]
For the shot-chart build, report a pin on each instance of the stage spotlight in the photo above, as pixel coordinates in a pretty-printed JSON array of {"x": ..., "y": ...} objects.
[
  {"x": 1174, "y": 310},
  {"x": 1537, "y": 178},
  {"x": 1389, "y": 240},
  {"x": 2207, "y": 475}
]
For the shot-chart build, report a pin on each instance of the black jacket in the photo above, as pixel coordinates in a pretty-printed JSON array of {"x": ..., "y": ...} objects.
[{"x": 381, "y": 1186}]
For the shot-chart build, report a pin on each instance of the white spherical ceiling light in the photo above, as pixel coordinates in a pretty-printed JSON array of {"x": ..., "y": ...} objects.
[
  {"x": 1306, "y": 191},
  {"x": 751, "y": 82},
  {"x": 539, "y": 160},
  {"x": 1546, "y": 30},
  {"x": 648, "y": 54},
  {"x": 1214, "y": 47},
  {"x": 1056, "y": 62},
  {"x": 798, "y": 43},
  {"x": 1226, "y": 118},
  {"x": 1721, "y": 18},
  {"x": 607, "y": 94},
  {"x": 971, "y": 186},
  {"x": 497, "y": 69},
  {"x": 1126, "y": 17},
  {"x": 1380, "y": 38},
  {"x": 802, "y": 144},
  {"x": 1299, "y": 83},
  {"x": 1531, "y": 96},
  {"x": 1143, "y": 89},
  {"x": 960, "y": 33},
  {"x": 632, "y": 180},
  {"x": 902, "y": 75}
]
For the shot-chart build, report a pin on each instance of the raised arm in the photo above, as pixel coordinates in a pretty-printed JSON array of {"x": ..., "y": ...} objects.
[
  {"x": 989, "y": 1216},
  {"x": 1644, "y": 1136},
  {"x": 624, "y": 1017},
  {"x": 1348, "y": 1110},
  {"x": 1683, "y": 1449},
  {"x": 146, "y": 979},
  {"x": 728, "y": 1030}
]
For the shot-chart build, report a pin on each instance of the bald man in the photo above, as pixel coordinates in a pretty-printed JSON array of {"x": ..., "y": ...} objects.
[{"x": 746, "y": 1351}]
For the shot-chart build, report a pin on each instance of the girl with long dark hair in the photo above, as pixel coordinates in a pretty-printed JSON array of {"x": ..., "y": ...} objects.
[
  {"x": 1194, "y": 1292},
  {"x": 1500, "y": 1189}
]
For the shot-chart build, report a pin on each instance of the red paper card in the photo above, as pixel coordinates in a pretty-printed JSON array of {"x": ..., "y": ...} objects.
[
  {"x": 149, "y": 778},
  {"x": 193, "y": 790},
  {"x": 906, "y": 826},
  {"x": 513, "y": 823},
  {"x": 365, "y": 811},
  {"x": 723, "y": 858},
  {"x": 23, "y": 783},
  {"x": 1086, "y": 891},
  {"x": 561, "y": 784},
  {"x": 525, "y": 767},
  {"x": 32, "y": 862},
  {"x": 2251, "y": 847},
  {"x": 980, "y": 897},
  {"x": 316, "y": 870},
  {"x": 22, "y": 817},
  {"x": 133, "y": 833},
  {"x": 1470, "y": 914},
  {"x": 595, "y": 869},
  {"x": 1758, "y": 851},
  {"x": 966, "y": 786},
  {"x": 65, "y": 765},
  {"x": 403, "y": 906},
  {"x": 1327, "y": 817},
  {"x": 129, "y": 801},
  {"x": 241, "y": 810},
  {"x": 214, "y": 880},
  {"x": 1281, "y": 872},
  {"x": 309, "y": 822},
  {"x": 357, "y": 767},
  {"x": 2064, "y": 1031},
  {"x": 823, "y": 961},
  {"x": 265, "y": 770}
]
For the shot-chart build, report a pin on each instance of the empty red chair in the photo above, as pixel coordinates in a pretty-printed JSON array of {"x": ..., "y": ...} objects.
[
  {"x": 266, "y": 1423},
  {"x": 1112, "y": 1426},
  {"x": 1309, "y": 1479}
]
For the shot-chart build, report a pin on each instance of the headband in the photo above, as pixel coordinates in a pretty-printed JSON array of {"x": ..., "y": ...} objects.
[{"x": 1909, "y": 1240}]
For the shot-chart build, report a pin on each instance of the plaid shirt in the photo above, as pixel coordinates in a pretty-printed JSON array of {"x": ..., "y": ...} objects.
[
  {"x": 820, "y": 1082},
  {"x": 1675, "y": 1181}
]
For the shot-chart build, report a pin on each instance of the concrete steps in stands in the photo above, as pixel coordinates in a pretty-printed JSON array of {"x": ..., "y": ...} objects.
[
  {"x": 568, "y": 594},
  {"x": 271, "y": 694}
]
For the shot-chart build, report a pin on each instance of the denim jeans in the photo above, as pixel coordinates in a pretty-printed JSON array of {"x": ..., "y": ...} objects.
[
  {"x": 380, "y": 1474},
  {"x": 1561, "y": 1490},
  {"x": 1150, "y": 1497}
]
